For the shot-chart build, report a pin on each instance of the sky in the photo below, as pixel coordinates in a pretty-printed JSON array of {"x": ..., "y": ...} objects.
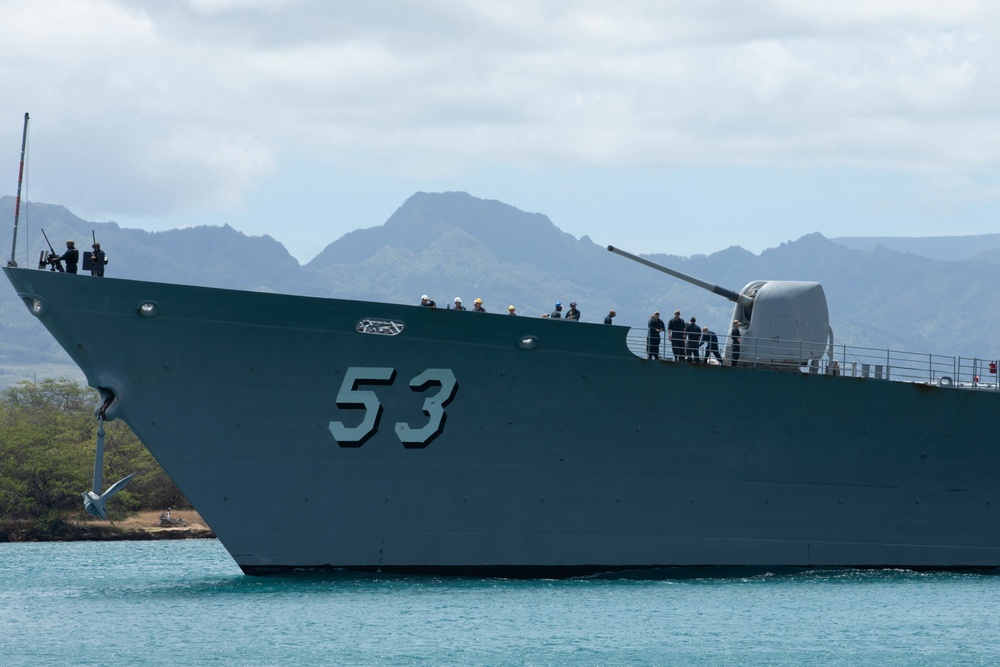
[{"x": 653, "y": 125}]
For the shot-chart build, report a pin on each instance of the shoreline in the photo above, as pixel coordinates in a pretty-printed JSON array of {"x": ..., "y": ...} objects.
[{"x": 141, "y": 527}]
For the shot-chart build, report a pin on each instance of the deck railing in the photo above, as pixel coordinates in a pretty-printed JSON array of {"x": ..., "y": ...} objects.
[{"x": 846, "y": 361}]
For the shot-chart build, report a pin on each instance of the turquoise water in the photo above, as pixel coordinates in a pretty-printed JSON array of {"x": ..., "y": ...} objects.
[{"x": 186, "y": 603}]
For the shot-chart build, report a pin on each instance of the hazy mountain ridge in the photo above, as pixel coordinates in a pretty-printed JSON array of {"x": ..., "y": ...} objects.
[
  {"x": 453, "y": 244},
  {"x": 932, "y": 247}
]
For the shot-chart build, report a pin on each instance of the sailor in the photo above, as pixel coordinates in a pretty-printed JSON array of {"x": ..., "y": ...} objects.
[
  {"x": 653, "y": 336},
  {"x": 734, "y": 343},
  {"x": 610, "y": 317},
  {"x": 458, "y": 304},
  {"x": 511, "y": 309},
  {"x": 557, "y": 313},
  {"x": 711, "y": 344},
  {"x": 98, "y": 260},
  {"x": 676, "y": 327},
  {"x": 573, "y": 314},
  {"x": 693, "y": 334},
  {"x": 71, "y": 257},
  {"x": 477, "y": 306},
  {"x": 427, "y": 302}
]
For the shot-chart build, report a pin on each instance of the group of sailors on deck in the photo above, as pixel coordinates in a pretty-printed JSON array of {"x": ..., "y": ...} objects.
[
  {"x": 687, "y": 338},
  {"x": 95, "y": 262},
  {"x": 572, "y": 315}
]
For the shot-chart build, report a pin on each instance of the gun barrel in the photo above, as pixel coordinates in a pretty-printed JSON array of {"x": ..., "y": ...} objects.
[
  {"x": 53, "y": 250},
  {"x": 735, "y": 297}
]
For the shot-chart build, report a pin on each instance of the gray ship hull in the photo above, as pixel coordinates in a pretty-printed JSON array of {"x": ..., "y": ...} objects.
[{"x": 514, "y": 445}]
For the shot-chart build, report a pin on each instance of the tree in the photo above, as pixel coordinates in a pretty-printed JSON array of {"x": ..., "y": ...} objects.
[{"x": 48, "y": 435}]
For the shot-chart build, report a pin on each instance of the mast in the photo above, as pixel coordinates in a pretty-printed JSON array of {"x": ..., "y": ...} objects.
[{"x": 17, "y": 204}]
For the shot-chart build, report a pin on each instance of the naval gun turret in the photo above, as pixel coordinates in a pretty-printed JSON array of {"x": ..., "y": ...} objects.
[{"x": 781, "y": 322}]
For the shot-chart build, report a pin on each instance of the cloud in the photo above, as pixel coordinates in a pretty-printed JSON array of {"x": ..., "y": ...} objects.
[
  {"x": 154, "y": 107},
  {"x": 217, "y": 7}
]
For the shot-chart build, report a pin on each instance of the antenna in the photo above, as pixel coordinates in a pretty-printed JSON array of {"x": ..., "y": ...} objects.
[{"x": 17, "y": 204}]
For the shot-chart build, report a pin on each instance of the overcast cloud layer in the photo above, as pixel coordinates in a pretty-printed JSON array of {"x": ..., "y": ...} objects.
[{"x": 670, "y": 126}]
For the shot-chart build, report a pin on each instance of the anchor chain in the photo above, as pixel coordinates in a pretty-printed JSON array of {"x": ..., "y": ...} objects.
[{"x": 101, "y": 411}]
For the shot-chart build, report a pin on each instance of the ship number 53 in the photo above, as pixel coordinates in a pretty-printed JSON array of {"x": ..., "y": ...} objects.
[{"x": 350, "y": 396}]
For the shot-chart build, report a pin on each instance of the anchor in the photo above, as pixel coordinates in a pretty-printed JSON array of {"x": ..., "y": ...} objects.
[{"x": 95, "y": 502}]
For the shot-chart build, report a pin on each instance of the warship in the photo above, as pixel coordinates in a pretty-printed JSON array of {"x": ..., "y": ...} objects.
[{"x": 329, "y": 433}]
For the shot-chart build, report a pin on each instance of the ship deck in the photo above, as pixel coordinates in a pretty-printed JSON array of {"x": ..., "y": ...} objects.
[{"x": 851, "y": 361}]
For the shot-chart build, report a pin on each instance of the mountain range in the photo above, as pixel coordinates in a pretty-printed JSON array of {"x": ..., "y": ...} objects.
[{"x": 934, "y": 295}]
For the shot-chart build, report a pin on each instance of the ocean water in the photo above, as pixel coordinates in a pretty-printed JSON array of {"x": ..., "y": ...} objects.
[{"x": 186, "y": 603}]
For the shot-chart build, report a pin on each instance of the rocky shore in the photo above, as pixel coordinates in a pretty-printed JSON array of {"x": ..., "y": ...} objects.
[{"x": 187, "y": 524}]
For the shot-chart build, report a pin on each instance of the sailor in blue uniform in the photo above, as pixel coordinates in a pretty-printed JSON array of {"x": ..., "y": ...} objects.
[
  {"x": 693, "y": 332},
  {"x": 98, "y": 260},
  {"x": 71, "y": 257},
  {"x": 711, "y": 344},
  {"x": 734, "y": 343},
  {"x": 676, "y": 327},
  {"x": 653, "y": 336}
]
